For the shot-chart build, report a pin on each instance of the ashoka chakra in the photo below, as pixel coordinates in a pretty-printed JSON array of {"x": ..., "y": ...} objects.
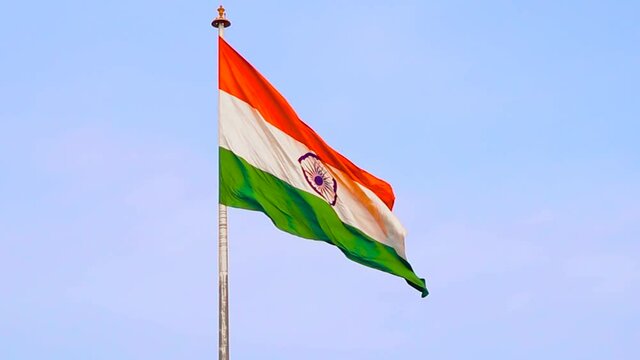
[{"x": 319, "y": 177}]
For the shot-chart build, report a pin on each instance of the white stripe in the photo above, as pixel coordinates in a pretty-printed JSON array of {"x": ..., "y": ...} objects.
[{"x": 246, "y": 133}]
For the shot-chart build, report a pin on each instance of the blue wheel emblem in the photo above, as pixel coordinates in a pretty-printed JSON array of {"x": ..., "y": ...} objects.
[{"x": 318, "y": 177}]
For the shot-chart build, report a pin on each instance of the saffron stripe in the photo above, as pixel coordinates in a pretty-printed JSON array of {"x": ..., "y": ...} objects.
[
  {"x": 238, "y": 78},
  {"x": 303, "y": 214}
]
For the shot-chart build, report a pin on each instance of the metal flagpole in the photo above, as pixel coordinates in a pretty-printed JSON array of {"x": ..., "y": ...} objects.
[{"x": 221, "y": 22}]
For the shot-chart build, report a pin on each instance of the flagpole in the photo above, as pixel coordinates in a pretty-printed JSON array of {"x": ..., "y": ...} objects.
[{"x": 221, "y": 22}]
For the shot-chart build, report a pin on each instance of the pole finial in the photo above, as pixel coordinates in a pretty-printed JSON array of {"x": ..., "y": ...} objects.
[{"x": 221, "y": 19}]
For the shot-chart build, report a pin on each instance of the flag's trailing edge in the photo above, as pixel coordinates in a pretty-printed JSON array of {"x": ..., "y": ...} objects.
[{"x": 271, "y": 161}]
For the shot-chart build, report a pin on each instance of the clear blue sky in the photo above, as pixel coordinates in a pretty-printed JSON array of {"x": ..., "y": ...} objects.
[{"x": 509, "y": 130}]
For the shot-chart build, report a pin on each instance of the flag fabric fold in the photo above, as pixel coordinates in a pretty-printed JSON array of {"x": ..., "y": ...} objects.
[{"x": 271, "y": 161}]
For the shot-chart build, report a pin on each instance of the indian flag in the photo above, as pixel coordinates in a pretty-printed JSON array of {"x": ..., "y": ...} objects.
[{"x": 271, "y": 161}]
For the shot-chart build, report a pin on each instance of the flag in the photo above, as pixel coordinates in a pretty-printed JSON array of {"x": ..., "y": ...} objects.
[{"x": 271, "y": 161}]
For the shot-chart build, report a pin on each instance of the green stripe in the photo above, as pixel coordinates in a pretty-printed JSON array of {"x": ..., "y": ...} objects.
[{"x": 303, "y": 214}]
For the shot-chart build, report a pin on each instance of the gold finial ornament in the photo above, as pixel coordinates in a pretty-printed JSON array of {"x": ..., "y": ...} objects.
[{"x": 221, "y": 19}]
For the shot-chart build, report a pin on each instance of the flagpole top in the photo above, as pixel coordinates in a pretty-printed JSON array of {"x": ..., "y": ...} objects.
[{"x": 221, "y": 19}]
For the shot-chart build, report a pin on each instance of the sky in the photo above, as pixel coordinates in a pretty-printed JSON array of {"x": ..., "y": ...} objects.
[{"x": 509, "y": 131}]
